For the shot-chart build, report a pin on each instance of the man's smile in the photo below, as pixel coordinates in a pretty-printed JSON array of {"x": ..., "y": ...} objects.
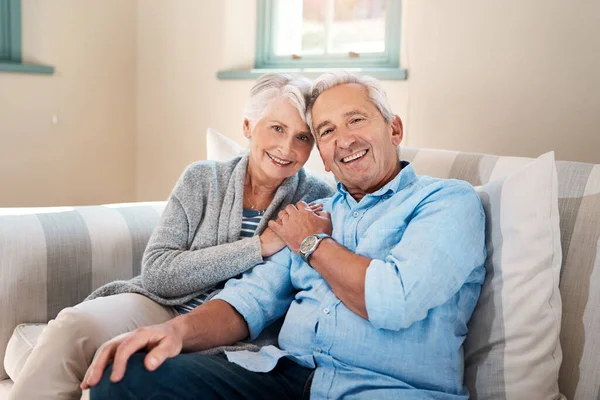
[{"x": 354, "y": 157}]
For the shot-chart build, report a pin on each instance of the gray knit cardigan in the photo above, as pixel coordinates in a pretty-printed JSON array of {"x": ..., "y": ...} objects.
[{"x": 196, "y": 243}]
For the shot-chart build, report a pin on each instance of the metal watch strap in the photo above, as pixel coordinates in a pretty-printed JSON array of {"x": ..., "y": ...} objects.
[{"x": 320, "y": 237}]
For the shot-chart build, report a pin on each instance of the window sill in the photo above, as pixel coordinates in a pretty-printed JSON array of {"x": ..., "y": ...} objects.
[
  {"x": 7, "y": 66},
  {"x": 379, "y": 73}
]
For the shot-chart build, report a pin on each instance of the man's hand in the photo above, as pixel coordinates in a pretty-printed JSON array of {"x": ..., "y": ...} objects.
[
  {"x": 161, "y": 341},
  {"x": 297, "y": 222},
  {"x": 271, "y": 243}
]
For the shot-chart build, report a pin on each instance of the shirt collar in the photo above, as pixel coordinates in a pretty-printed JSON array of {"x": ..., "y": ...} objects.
[{"x": 406, "y": 176}]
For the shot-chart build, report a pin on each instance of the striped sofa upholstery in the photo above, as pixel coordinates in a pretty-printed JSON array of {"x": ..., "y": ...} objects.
[{"x": 52, "y": 258}]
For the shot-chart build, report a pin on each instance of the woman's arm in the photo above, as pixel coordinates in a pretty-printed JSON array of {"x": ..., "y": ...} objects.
[{"x": 170, "y": 269}]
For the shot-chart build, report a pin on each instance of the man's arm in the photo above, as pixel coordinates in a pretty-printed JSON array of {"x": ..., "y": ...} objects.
[
  {"x": 243, "y": 309},
  {"x": 345, "y": 272},
  {"x": 441, "y": 250},
  {"x": 215, "y": 323},
  {"x": 441, "y": 247},
  {"x": 212, "y": 324}
]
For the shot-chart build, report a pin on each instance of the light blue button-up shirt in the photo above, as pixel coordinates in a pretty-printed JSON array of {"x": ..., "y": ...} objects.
[{"x": 425, "y": 237}]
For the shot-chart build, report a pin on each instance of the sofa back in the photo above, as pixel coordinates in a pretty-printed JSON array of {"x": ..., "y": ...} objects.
[
  {"x": 579, "y": 208},
  {"x": 52, "y": 258}
]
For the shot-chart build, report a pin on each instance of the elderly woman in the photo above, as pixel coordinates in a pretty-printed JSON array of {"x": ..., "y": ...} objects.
[{"x": 214, "y": 227}]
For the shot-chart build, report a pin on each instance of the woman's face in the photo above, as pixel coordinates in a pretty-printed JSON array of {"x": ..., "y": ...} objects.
[{"x": 280, "y": 141}]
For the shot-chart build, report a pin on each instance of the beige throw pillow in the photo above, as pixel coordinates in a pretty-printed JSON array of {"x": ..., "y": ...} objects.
[{"x": 512, "y": 349}]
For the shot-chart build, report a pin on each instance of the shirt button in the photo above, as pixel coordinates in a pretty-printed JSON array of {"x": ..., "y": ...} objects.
[
  {"x": 355, "y": 213},
  {"x": 318, "y": 349},
  {"x": 326, "y": 311}
]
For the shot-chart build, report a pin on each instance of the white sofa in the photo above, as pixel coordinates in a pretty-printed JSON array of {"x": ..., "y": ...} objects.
[{"x": 52, "y": 258}]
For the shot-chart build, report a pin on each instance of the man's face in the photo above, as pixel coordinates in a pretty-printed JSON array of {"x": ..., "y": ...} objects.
[{"x": 355, "y": 142}]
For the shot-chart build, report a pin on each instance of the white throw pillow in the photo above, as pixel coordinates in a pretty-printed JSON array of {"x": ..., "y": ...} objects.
[
  {"x": 220, "y": 148},
  {"x": 20, "y": 346},
  {"x": 315, "y": 166},
  {"x": 512, "y": 349}
]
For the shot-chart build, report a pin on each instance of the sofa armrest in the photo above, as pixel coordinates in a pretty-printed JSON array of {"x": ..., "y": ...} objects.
[{"x": 52, "y": 258}]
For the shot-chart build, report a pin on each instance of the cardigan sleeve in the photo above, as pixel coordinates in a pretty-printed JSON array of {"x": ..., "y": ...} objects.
[{"x": 170, "y": 268}]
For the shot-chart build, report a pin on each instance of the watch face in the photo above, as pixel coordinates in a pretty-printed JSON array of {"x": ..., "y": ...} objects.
[{"x": 308, "y": 243}]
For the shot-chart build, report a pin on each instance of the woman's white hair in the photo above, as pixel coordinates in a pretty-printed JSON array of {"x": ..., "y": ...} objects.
[
  {"x": 332, "y": 79},
  {"x": 295, "y": 88}
]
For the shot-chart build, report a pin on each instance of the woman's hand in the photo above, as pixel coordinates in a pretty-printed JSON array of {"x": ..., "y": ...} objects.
[
  {"x": 270, "y": 243},
  {"x": 161, "y": 341}
]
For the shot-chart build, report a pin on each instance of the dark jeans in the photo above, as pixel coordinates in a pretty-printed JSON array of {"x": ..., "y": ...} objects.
[{"x": 196, "y": 376}]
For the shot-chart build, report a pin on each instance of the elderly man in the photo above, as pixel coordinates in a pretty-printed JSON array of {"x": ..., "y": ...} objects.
[{"x": 378, "y": 288}]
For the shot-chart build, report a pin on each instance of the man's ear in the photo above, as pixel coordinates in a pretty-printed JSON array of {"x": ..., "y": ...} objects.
[
  {"x": 246, "y": 128},
  {"x": 397, "y": 130}
]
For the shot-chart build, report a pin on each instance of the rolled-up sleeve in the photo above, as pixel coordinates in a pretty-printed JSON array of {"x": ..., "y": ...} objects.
[
  {"x": 442, "y": 248},
  {"x": 263, "y": 294}
]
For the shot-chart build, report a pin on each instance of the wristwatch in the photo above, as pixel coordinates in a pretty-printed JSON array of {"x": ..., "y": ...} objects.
[{"x": 310, "y": 244}]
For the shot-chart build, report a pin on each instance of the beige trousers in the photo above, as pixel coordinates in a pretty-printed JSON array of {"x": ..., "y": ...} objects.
[{"x": 67, "y": 345}]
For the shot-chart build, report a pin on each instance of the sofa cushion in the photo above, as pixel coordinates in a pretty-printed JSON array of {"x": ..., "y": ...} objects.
[
  {"x": 219, "y": 147},
  {"x": 5, "y": 386},
  {"x": 20, "y": 346},
  {"x": 513, "y": 343}
]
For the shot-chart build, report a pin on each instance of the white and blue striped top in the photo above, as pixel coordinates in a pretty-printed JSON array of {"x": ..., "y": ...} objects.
[{"x": 250, "y": 221}]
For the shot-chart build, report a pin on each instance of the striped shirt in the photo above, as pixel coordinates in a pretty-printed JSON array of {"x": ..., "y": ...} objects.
[{"x": 250, "y": 221}]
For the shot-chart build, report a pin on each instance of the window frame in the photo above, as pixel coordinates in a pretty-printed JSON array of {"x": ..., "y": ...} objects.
[
  {"x": 10, "y": 15},
  {"x": 12, "y": 59},
  {"x": 266, "y": 59}
]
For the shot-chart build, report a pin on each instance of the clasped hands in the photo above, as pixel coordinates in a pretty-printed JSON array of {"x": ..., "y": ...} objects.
[{"x": 294, "y": 223}]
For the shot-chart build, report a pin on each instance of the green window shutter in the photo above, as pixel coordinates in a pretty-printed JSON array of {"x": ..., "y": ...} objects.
[
  {"x": 4, "y": 30},
  {"x": 10, "y": 30}
]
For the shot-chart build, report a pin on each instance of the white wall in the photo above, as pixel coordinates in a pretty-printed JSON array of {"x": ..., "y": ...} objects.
[
  {"x": 179, "y": 51},
  {"x": 135, "y": 88},
  {"x": 88, "y": 157},
  {"x": 508, "y": 77}
]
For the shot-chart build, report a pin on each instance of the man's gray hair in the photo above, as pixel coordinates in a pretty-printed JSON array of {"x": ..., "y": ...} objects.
[
  {"x": 270, "y": 86},
  {"x": 332, "y": 79}
]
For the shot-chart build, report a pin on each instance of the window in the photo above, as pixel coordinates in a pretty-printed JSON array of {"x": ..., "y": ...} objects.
[
  {"x": 10, "y": 30},
  {"x": 10, "y": 41},
  {"x": 328, "y": 34}
]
